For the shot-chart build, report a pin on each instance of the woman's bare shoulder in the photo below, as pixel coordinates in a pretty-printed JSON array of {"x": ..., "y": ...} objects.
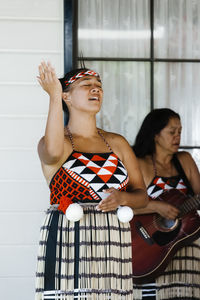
[
  {"x": 116, "y": 141},
  {"x": 187, "y": 162},
  {"x": 145, "y": 161},
  {"x": 184, "y": 157},
  {"x": 50, "y": 169},
  {"x": 147, "y": 169},
  {"x": 191, "y": 170},
  {"x": 112, "y": 136}
]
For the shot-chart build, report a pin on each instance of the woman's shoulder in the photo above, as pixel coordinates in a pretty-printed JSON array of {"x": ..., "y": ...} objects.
[
  {"x": 146, "y": 165},
  {"x": 119, "y": 145},
  {"x": 146, "y": 160},
  {"x": 191, "y": 170},
  {"x": 187, "y": 162},
  {"x": 111, "y": 135},
  {"x": 67, "y": 146},
  {"x": 49, "y": 169},
  {"x": 114, "y": 139},
  {"x": 184, "y": 157}
]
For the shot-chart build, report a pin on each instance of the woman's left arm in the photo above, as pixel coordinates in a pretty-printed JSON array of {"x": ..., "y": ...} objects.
[
  {"x": 136, "y": 196},
  {"x": 191, "y": 170}
]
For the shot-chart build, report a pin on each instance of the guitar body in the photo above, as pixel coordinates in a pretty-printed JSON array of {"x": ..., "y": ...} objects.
[{"x": 155, "y": 240}]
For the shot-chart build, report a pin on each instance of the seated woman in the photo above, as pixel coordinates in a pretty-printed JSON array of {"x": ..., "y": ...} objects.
[
  {"x": 89, "y": 258},
  {"x": 163, "y": 168}
]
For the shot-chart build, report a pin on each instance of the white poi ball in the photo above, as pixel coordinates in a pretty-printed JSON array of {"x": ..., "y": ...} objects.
[
  {"x": 74, "y": 212},
  {"x": 125, "y": 214}
]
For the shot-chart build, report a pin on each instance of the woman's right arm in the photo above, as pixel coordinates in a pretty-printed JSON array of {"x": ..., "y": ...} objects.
[
  {"x": 162, "y": 208},
  {"x": 51, "y": 146}
]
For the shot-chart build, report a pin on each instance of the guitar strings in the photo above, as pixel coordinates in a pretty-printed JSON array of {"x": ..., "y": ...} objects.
[{"x": 185, "y": 207}]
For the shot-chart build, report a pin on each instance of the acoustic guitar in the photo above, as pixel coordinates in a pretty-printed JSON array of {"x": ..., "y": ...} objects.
[{"x": 155, "y": 239}]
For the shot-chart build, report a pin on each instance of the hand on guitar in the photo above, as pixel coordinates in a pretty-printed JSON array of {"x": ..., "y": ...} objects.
[
  {"x": 160, "y": 239},
  {"x": 166, "y": 210}
]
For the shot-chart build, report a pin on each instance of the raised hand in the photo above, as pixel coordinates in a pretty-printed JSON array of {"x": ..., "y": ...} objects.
[{"x": 48, "y": 80}]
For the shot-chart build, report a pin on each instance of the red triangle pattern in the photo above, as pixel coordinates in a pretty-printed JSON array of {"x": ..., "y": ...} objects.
[
  {"x": 76, "y": 154},
  {"x": 96, "y": 169},
  {"x": 106, "y": 177},
  {"x": 160, "y": 184},
  {"x": 97, "y": 157},
  {"x": 111, "y": 169}
]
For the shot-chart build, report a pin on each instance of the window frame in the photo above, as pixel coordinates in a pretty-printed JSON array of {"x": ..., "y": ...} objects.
[{"x": 71, "y": 57}]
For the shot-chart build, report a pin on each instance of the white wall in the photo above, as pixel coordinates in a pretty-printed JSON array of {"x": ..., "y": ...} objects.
[{"x": 30, "y": 30}]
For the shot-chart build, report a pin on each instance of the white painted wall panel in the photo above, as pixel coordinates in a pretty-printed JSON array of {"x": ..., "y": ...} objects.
[
  {"x": 23, "y": 67},
  {"x": 36, "y": 35},
  {"x": 20, "y": 165},
  {"x": 23, "y": 100},
  {"x": 17, "y": 261},
  {"x": 36, "y": 199},
  {"x": 24, "y": 131},
  {"x": 30, "y": 30},
  {"x": 30, "y": 9},
  {"x": 18, "y": 284},
  {"x": 15, "y": 223}
]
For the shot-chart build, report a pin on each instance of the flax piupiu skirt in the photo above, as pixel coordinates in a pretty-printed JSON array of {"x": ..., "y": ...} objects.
[
  {"x": 179, "y": 281},
  {"x": 88, "y": 259}
]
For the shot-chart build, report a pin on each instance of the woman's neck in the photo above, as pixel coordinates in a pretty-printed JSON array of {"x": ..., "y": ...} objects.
[
  {"x": 84, "y": 126},
  {"x": 163, "y": 165},
  {"x": 163, "y": 158}
]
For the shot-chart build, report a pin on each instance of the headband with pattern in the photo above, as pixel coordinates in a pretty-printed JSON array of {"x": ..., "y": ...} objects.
[{"x": 79, "y": 75}]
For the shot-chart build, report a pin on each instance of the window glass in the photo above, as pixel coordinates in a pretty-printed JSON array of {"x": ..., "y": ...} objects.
[
  {"x": 177, "y": 86},
  {"x": 114, "y": 39},
  {"x": 179, "y": 24},
  {"x": 114, "y": 28}
]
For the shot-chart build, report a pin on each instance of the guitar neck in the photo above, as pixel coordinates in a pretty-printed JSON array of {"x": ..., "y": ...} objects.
[{"x": 189, "y": 204}]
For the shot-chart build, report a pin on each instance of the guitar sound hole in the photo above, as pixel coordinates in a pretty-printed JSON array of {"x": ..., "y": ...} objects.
[
  {"x": 164, "y": 238},
  {"x": 165, "y": 224}
]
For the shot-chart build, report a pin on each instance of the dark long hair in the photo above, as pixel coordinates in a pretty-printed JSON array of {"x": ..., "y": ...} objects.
[{"x": 153, "y": 123}]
